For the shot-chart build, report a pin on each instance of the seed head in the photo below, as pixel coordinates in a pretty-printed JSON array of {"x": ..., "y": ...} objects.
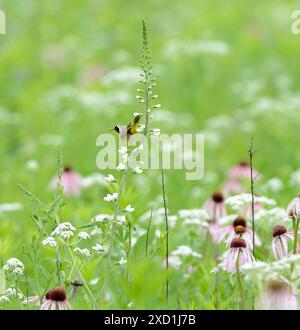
[
  {"x": 279, "y": 230},
  {"x": 56, "y": 294},
  {"x": 239, "y": 229},
  {"x": 239, "y": 221},
  {"x": 238, "y": 243},
  {"x": 218, "y": 197}
]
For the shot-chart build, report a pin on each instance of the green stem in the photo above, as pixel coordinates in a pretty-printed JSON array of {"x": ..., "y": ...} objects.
[
  {"x": 128, "y": 251},
  {"x": 85, "y": 285},
  {"x": 240, "y": 283},
  {"x": 167, "y": 233},
  {"x": 115, "y": 216},
  {"x": 148, "y": 231},
  {"x": 296, "y": 228}
]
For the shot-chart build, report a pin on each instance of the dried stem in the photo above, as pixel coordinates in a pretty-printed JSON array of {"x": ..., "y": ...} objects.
[{"x": 251, "y": 154}]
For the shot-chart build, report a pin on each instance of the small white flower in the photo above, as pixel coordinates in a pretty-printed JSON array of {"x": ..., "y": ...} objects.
[
  {"x": 121, "y": 219},
  {"x": 96, "y": 231},
  {"x": 4, "y": 300},
  {"x": 84, "y": 235},
  {"x": 121, "y": 167},
  {"x": 99, "y": 248},
  {"x": 11, "y": 292},
  {"x": 138, "y": 170},
  {"x": 122, "y": 261},
  {"x": 185, "y": 251},
  {"x": 64, "y": 230},
  {"x": 200, "y": 214},
  {"x": 156, "y": 131},
  {"x": 123, "y": 150},
  {"x": 129, "y": 208},
  {"x": 50, "y": 241},
  {"x": 110, "y": 178},
  {"x": 111, "y": 197},
  {"x": 242, "y": 201},
  {"x": 101, "y": 218},
  {"x": 82, "y": 252},
  {"x": 175, "y": 262},
  {"x": 13, "y": 266}
]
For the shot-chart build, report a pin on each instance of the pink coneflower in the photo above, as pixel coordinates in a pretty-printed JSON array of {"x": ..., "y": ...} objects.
[
  {"x": 215, "y": 207},
  {"x": 238, "y": 229},
  {"x": 293, "y": 211},
  {"x": 293, "y": 208},
  {"x": 279, "y": 242},
  {"x": 70, "y": 180},
  {"x": 56, "y": 299},
  {"x": 278, "y": 296},
  {"x": 242, "y": 171},
  {"x": 238, "y": 253}
]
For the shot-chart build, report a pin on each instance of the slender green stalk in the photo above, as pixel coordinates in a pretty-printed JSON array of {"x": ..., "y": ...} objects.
[
  {"x": 128, "y": 251},
  {"x": 251, "y": 153},
  {"x": 82, "y": 279},
  {"x": 216, "y": 292},
  {"x": 148, "y": 230},
  {"x": 296, "y": 228},
  {"x": 166, "y": 233},
  {"x": 115, "y": 217},
  {"x": 239, "y": 283}
]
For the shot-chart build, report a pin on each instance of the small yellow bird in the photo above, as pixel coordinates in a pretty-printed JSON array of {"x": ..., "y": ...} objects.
[{"x": 130, "y": 129}]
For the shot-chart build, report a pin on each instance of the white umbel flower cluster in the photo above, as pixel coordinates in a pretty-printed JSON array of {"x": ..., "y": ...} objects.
[
  {"x": 110, "y": 178},
  {"x": 99, "y": 248},
  {"x": 194, "y": 217},
  {"x": 13, "y": 266},
  {"x": 129, "y": 208},
  {"x": 185, "y": 251},
  {"x": 64, "y": 230},
  {"x": 82, "y": 252},
  {"x": 242, "y": 201},
  {"x": 111, "y": 197},
  {"x": 50, "y": 241},
  {"x": 84, "y": 235}
]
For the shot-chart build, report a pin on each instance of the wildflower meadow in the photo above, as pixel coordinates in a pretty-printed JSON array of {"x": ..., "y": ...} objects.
[{"x": 149, "y": 155}]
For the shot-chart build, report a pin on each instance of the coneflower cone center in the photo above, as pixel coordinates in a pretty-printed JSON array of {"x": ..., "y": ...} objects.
[
  {"x": 279, "y": 230},
  {"x": 238, "y": 243},
  {"x": 218, "y": 197},
  {"x": 239, "y": 229},
  {"x": 277, "y": 286},
  {"x": 56, "y": 294},
  {"x": 243, "y": 163},
  {"x": 239, "y": 221}
]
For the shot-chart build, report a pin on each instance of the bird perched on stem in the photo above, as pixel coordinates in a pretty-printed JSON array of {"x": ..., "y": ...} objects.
[{"x": 130, "y": 129}]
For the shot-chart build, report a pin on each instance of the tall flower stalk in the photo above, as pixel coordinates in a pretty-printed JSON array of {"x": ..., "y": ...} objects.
[
  {"x": 293, "y": 211},
  {"x": 148, "y": 82},
  {"x": 145, "y": 97}
]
